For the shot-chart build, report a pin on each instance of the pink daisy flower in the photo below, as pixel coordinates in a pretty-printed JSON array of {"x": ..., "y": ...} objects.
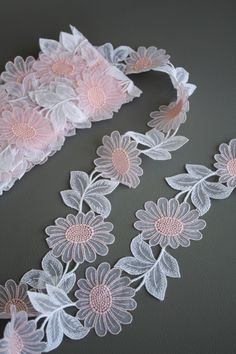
[
  {"x": 226, "y": 163},
  {"x": 27, "y": 129},
  {"x": 99, "y": 94},
  {"x": 16, "y": 71},
  {"x": 119, "y": 159},
  {"x": 15, "y": 295},
  {"x": 58, "y": 65},
  {"x": 171, "y": 116},
  {"x": 146, "y": 59},
  {"x": 169, "y": 222},
  {"x": 22, "y": 336},
  {"x": 80, "y": 237},
  {"x": 105, "y": 299}
]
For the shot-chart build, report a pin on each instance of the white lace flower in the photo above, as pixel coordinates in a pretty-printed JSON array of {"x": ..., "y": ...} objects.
[
  {"x": 171, "y": 116},
  {"x": 22, "y": 336},
  {"x": 169, "y": 223},
  {"x": 16, "y": 71},
  {"x": 226, "y": 163},
  {"x": 25, "y": 128},
  {"x": 14, "y": 295},
  {"x": 58, "y": 65},
  {"x": 119, "y": 159},
  {"x": 99, "y": 94},
  {"x": 80, "y": 237},
  {"x": 104, "y": 299},
  {"x": 146, "y": 59}
]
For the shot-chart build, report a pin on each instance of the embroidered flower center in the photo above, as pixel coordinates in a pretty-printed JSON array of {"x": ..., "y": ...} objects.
[
  {"x": 79, "y": 233},
  {"x": 143, "y": 63},
  {"x": 62, "y": 68},
  {"x": 231, "y": 167},
  {"x": 120, "y": 161},
  {"x": 100, "y": 299},
  {"x": 169, "y": 226},
  {"x": 19, "y": 304},
  {"x": 175, "y": 110},
  {"x": 23, "y": 131},
  {"x": 16, "y": 344},
  {"x": 96, "y": 96}
]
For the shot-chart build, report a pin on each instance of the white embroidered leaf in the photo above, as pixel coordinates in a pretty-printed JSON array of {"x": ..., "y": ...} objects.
[
  {"x": 198, "y": 171},
  {"x": 181, "y": 74},
  {"x": 103, "y": 186},
  {"x": 46, "y": 98},
  {"x": 72, "y": 327},
  {"x": 42, "y": 303},
  {"x": 68, "y": 41},
  {"x": 140, "y": 138},
  {"x": 142, "y": 261},
  {"x": 99, "y": 204},
  {"x": 49, "y": 46},
  {"x": 216, "y": 190},
  {"x": 64, "y": 91},
  {"x": 68, "y": 282},
  {"x": 58, "y": 118},
  {"x": 54, "y": 332},
  {"x": 157, "y": 153},
  {"x": 121, "y": 53},
  {"x": 71, "y": 198},
  {"x": 37, "y": 279},
  {"x": 156, "y": 283},
  {"x": 52, "y": 266},
  {"x": 73, "y": 112},
  {"x": 174, "y": 143},
  {"x": 156, "y": 136},
  {"x": 79, "y": 181},
  {"x": 182, "y": 182},
  {"x": 142, "y": 251},
  {"x": 58, "y": 296},
  {"x": 133, "y": 266},
  {"x": 169, "y": 265},
  {"x": 200, "y": 199}
]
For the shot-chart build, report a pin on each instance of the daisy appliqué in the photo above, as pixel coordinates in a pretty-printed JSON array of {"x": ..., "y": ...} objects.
[
  {"x": 145, "y": 59},
  {"x": 119, "y": 159},
  {"x": 169, "y": 222}
]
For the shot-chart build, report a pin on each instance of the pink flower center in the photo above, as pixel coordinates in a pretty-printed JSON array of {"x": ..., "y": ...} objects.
[
  {"x": 19, "y": 304},
  {"x": 100, "y": 299},
  {"x": 96, "y": 96},
  {"x": 16, "y": 344},
  {"x": 120, "y": 161},
  {"x": 62, "y": 68},
  {"x": 23, "y": 131},
  {"x": 231, "y": 167},
  {"x": 175, "y": 110},
  {"x": 169, "y": 226},
  {"x": 79, "y": 233},
  {"x": 142, "y": 63}
]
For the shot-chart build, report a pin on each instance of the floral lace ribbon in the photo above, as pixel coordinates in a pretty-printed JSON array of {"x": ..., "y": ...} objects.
[
  {"x": 104, "y": 299},
  {"x": 71, "y": 85}
]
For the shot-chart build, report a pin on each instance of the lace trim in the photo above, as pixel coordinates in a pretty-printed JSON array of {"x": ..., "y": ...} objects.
[
  {"x": 105, "y": 296},
  {"x": 69, "y": 86}
]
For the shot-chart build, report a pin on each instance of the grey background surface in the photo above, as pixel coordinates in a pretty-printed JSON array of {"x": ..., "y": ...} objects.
[{"x": 198, "y": 315}]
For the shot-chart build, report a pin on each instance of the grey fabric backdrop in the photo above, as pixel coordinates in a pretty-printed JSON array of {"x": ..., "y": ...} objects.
[{"x": 199, "y": 313}]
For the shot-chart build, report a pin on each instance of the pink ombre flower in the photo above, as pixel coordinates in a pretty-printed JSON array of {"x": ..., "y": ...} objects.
[
  {"x": 22, "y": 336},
  {"x": 146, "y": 59},
  {"x": 58, "y": 65},
  {"x": 16, "y": 71},
  {"x": 99, "y": 94},
  {"x": 27, "y": 129},
  {"x": 171, "y": 116}
]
